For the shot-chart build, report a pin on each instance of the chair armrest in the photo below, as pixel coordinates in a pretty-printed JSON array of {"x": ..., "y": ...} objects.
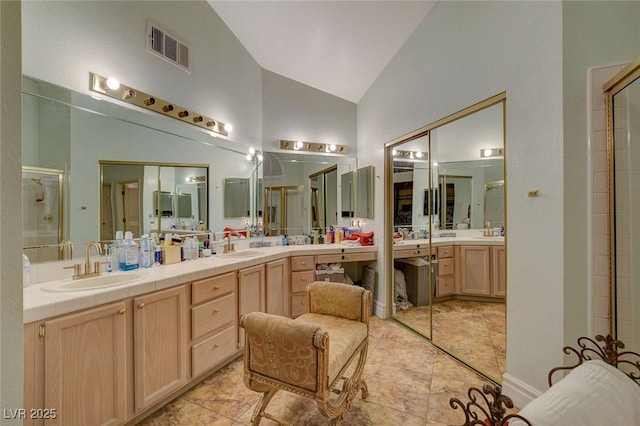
[
  {"x": 280, "y": 348},
  {"x": 339, "y": 300}
]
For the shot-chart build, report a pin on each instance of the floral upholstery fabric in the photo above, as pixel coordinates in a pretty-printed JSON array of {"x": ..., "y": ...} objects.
[
  {"x": 345, "y": 336},
  {"x": 336, "y": 299}
]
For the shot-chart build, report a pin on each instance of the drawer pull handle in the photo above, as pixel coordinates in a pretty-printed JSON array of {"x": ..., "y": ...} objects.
[
  {"x": 141, "y": 305},
  {"x": 122, "y": 311},
  {"x": 216, "y": 346},
  {"x": 216, "y": 310},
  {"x": 217, "y": 287}
]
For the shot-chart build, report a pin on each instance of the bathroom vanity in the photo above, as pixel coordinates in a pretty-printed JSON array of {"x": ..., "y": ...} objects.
[{"x": 113, "y": 355}]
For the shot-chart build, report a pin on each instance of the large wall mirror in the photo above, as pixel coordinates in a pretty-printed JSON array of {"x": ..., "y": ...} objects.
[
  {"x": 97, "y": 147},
  {"x": 303, "y": 192},
  {"x": 623, "y": 107},
  {"x": 445, "y": 185}
]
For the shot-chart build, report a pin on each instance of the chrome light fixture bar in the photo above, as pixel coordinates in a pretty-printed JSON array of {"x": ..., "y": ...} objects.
[
  {"x": 491, "y": 152},
  {"x": 327, "y": 148},
  {"x": 114, "y": 89}
]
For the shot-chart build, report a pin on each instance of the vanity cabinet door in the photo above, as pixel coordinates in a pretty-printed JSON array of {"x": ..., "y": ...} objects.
[
  {"x": 251, "y": 289},
  {"x": 498, "y": 271},
  {"x": 85, "y": 367},
  {"x": 475, "y": 270},
  {"x": 160, "y": 345},
  {"x": 277, "y": 283}
]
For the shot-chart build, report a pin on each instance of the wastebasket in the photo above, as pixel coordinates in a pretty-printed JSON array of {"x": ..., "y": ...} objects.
[{"x": 416, "y": 272}]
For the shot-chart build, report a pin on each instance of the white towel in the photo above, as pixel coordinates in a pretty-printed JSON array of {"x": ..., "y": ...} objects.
[{"x": 594, "y": 393}]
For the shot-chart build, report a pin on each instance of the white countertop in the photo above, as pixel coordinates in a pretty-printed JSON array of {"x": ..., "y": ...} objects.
[
  {"x": 444, "y": 241},
  {"x": 40, "y": 304}
]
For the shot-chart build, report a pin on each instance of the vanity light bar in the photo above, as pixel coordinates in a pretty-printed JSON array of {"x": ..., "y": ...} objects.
[
  {"x": 329, "y": 148},
  {"x": 410, "y": 155},
  {"x": 112, "y": 88},
  {"x": 491, "y": 152}
]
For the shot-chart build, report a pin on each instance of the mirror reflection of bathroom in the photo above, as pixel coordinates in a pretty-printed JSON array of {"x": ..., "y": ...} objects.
[
  {"x": 42, "y": 221},
  {"x": 449, "y": 280}
]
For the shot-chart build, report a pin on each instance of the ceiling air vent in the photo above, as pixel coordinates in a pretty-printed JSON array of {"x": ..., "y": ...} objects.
[{"x": 168, "y": 47}]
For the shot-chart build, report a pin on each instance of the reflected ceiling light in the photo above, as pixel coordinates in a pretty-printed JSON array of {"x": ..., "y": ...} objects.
[
  {"x": 318, "y": 147},
  {"x": 254, "y": 155},
  {"x": 112, "y": 88},
  {"x": 410, "y": 155},
  {"x": 195, "y": 179},
  {"x": 491, "y": 152},
  {"x": 113, "y": 83},
  {"x": 435, "y": 164}
]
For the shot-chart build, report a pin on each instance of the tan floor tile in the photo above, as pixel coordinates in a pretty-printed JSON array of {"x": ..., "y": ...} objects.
[{"x": 182, "y": 412}]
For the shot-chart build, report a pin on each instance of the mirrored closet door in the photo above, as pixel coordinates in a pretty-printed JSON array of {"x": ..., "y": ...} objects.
[{"x": 445, "y": 199}]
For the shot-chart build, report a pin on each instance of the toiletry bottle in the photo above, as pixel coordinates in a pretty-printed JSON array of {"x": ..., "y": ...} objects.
[
  {"x": 145, "y": 251},
  {"x": 109, "y": 258},
  {"x": 157, "y": 256},
  {"x": 194, "y": 248},
  {"x": 116, "y": 251},
  {"x": 129, "y": 256},
  {"x": 186, "y": 249}
]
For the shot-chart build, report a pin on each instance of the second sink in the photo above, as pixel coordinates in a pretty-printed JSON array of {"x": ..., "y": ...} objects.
[{"x": 102, "y": 281}]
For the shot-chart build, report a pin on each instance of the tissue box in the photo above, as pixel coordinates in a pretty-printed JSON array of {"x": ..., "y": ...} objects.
[{"x": 171, "y": 254}]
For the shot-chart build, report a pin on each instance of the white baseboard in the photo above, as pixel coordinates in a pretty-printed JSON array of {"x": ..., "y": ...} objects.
[
  {"x": 379, "y": 309},
  {"x": 520, "y": 393}
]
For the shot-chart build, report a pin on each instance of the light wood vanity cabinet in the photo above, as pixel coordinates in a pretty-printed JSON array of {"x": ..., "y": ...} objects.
[
  {"x": 214, "y": 328},
  {"x": 251, "y": 294},
  {"x": 85, "y": 367},
  {"x": 160, "y": 345},
  {"x": 277, "y": 287},
  {"x": 498, "y": 271},
  {"x": 445, "y": 281},
  {"x": 475, "y": 270},
  {"x": 303, "y": 271}
]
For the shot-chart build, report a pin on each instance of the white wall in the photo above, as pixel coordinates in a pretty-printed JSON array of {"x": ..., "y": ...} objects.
[
  {"x": 65, "y": 40},
  {"x": 462, "y": 53},
  {"x": 595, "y": 34},
  {"x": 294, "y": 111}
]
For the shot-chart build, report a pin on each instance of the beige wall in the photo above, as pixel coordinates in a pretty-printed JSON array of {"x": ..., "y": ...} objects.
[{"x": 11, "y": 341}]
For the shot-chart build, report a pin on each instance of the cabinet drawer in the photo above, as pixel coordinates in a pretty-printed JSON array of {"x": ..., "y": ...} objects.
[
  {"x": 345, "y": 257},
  {"x": 300, "y": 279},
  {"x": 401, "y": 254},
  {"x": 298, "y": 305},
  {"x": 213, "y": 350},
  {"x": 445, "y": 285},
  {"x": 211, "y": 315},
  {"x": 302, "y": 263},
  {"x": 213, "y": 287},
  {"x": 445, "y": 251},
  {"x": 446, "y": 267}
]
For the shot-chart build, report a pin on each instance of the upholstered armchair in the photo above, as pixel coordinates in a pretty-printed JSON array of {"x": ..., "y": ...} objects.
[{"x": 314, "y": 354}]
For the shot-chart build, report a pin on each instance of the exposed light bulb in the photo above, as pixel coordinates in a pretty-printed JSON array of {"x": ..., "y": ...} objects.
[
  {"x": 228, "y": 127},
  {"x": 113, "y": 83},
  {"x": 260, "y": 157},
  {"x": 487, "y": 152},
  {"x": 419, "y": 154},
  {"x": 435, "y": 164},
  {"x": 332, "y": 147},
  {"x": 394, "y": 152},
  {"x": 248, "y": 157},
  {"x": 252, "y": 150},
  {"x": 298, "y": 145}
]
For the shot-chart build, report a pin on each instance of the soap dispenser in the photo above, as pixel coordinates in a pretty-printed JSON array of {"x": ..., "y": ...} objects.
[{"x": 129, "y": 258}]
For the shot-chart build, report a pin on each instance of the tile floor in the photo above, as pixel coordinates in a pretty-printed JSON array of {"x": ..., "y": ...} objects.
[
  {"x": 474, "y": 331},
  {"x": 410, "y": 383}
]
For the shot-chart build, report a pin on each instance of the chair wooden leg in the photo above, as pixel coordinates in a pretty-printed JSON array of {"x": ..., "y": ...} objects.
[{"x": 261, "y": 406}]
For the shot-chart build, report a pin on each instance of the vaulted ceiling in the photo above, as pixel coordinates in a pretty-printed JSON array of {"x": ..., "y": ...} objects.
[{"x": 339, "y": 47}]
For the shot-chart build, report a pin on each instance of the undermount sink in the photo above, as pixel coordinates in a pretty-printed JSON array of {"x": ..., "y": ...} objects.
[
  {"x": 93, "y": 283},
  {"x": 244, "y": 253}
]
